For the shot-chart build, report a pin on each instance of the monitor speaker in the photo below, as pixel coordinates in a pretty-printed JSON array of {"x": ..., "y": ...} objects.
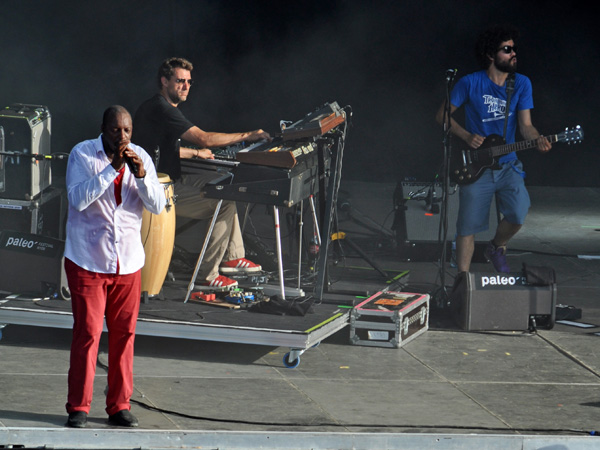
[
  {"x": 34, "y": 265},
  {"x": 502, "y": 302}
]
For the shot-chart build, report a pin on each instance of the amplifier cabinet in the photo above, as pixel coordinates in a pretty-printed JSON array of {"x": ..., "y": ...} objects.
[
  {"x": 389, "y": 319},
  {"x": 2, "y": 165},
  {"x": 502, "y": 302},
  {"x": 35, "y": 264},
  {"x": 45, "y": 215},
  {"x": 418, "y": 217},
  {"x": 26, "y": 132}
]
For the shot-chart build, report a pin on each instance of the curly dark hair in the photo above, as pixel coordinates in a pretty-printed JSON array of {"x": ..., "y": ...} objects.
[
  {"x": 169, "y": 65},
  {"x": 489, "y": 41}
]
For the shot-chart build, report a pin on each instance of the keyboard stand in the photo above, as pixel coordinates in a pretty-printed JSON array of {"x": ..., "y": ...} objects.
[
  {"x": 205, "y": 245},
  {"x": 203, "y": 251}
]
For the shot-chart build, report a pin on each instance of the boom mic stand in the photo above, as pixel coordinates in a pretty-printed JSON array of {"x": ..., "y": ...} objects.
[
  {"x": 442, "y": 297},
  {"x": 36, "y": 156}
]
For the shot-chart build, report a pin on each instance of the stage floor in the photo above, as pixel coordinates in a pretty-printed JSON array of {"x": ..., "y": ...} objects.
[{"x": 447, "y": 388}]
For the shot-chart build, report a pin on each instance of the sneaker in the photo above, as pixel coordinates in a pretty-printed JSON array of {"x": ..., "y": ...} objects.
[
  {"x": 497, "y": 256},
  {"x": 123, "y": 418},
  {"x": 220, "y": 283},
  {"x": 239, "y": 265},
  {"x": 77, "y": 419}
]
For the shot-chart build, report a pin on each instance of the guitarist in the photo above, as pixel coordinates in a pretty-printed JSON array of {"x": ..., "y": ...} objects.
[{"x": 483, "y": 95}]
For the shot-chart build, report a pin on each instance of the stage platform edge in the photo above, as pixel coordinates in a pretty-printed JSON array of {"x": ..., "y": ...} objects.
[{"x": 168, "y": 319}]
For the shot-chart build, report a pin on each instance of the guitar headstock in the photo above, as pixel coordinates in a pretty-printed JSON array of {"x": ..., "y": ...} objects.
[{"x": 573, "y": 135}]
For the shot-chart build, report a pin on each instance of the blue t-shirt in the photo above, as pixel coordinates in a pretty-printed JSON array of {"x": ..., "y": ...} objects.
[{"x": 485, "y": 105}]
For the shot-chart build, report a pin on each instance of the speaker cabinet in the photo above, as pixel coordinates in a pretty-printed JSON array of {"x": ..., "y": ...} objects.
[
  {"x": 501, "y": 302},
  {"x": 2, "y": 165},
  {"x": 33, "y": 265},
  {"x": 417, "y": 221},
  {"x": 46, "y": 215},
  {"x": 26, "y": 132}
]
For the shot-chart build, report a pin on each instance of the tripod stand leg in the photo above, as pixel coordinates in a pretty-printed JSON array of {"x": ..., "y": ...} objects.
[
  {"x": 300, "y": 234},
  {"x": 204, "y": 247},
  {"x": 315, "y": 220},
  {"x": 364, "y": 256},
  {"x": 279, "y": 255}
]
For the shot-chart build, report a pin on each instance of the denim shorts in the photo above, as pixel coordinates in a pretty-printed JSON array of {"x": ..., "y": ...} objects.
[{"x": 512, "y": 199}]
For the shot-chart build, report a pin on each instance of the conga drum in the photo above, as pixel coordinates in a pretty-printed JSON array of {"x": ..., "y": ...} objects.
[{"x": 158, "y": 237}]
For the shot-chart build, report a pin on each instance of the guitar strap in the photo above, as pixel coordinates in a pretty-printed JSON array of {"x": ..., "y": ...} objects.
[{"x": 510, "y": 87}]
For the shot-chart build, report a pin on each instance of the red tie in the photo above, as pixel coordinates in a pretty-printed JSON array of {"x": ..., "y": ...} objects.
[{"x": 118, "y": 183}]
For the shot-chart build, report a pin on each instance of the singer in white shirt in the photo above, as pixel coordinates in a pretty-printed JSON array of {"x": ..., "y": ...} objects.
[{"x": 109, "y": 183}]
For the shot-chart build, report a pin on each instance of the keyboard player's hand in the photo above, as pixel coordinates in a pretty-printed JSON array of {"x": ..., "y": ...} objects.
[
  {"x": 206, "y": 153},
  {"x": 259, "y": 135}
]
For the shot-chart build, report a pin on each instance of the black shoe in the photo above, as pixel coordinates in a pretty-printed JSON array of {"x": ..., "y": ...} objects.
[
  {"x": 77, "y": 419},
  {"x": 123, "y": 418}
]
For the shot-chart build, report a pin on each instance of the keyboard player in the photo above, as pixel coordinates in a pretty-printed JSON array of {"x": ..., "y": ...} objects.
[{"x": 159, "y": 123}]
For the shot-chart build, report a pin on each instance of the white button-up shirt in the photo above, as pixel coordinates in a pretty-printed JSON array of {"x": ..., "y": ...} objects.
[{"x": 100, "y": 233}]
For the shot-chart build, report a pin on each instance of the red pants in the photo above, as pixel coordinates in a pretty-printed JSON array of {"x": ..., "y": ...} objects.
[{"x": 95, "y": 296}]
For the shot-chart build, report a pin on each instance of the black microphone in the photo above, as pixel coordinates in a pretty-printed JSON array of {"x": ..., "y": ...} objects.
[
  {"x": 450, "y": 74},
  {"x": 132, "y": 167},
  {"x": 156, "y": 157}
]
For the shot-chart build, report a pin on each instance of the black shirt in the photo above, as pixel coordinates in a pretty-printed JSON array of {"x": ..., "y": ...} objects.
[{"x": 157, "y": 123}]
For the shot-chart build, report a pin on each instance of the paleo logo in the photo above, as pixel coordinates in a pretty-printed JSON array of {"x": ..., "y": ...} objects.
[
  {"x": 14, "y": 241},
  {"x": 500, "y": 280},
  {"x": 20, "y": 242}
]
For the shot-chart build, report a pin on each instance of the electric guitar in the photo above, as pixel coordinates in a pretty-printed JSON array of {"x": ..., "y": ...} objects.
[{"x": 467, "y": 166}]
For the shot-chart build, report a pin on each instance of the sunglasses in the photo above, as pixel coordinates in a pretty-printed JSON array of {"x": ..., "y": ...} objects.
[
  {"x": 183, "y": 80},
  {"x": 508, "y": 49}
]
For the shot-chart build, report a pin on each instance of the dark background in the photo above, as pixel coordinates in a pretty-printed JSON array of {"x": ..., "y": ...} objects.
[{"x": 257, "y": 62}]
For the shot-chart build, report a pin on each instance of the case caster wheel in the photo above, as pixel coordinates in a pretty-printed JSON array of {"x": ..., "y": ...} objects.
[
  {"x": 290, "y": 364},
  {"x": 65, "y": 293}
]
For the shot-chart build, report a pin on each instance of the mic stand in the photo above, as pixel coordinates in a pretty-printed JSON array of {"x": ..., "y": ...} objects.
[
  {"x": 36, "y": 156},
  {"x": 442, "y": 297}
]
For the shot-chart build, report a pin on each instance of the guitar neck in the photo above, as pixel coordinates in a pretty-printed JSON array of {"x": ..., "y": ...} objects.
[{"x": 517, "y": 146}]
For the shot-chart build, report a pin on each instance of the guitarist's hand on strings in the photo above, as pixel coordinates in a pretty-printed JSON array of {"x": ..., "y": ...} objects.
[
  {"x": 474, "y": 140},
  {"x": 543, "y": 144},
  {"x": 528, "y": 131}
]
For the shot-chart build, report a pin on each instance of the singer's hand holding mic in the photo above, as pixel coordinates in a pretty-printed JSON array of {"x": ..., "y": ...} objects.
[{"x": 133, "y": 161}]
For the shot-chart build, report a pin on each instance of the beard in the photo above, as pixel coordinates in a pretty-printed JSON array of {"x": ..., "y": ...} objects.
[
  {"x": 506, "y": 66},
  {"x": 175, "y": 97}
]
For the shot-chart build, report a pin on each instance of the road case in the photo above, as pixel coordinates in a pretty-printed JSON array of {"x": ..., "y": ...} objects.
[{"x": 389, "y": 319}]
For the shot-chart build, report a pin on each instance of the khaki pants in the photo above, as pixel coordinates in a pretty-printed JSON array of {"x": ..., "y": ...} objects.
[{"x": 225, "y": 243}]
